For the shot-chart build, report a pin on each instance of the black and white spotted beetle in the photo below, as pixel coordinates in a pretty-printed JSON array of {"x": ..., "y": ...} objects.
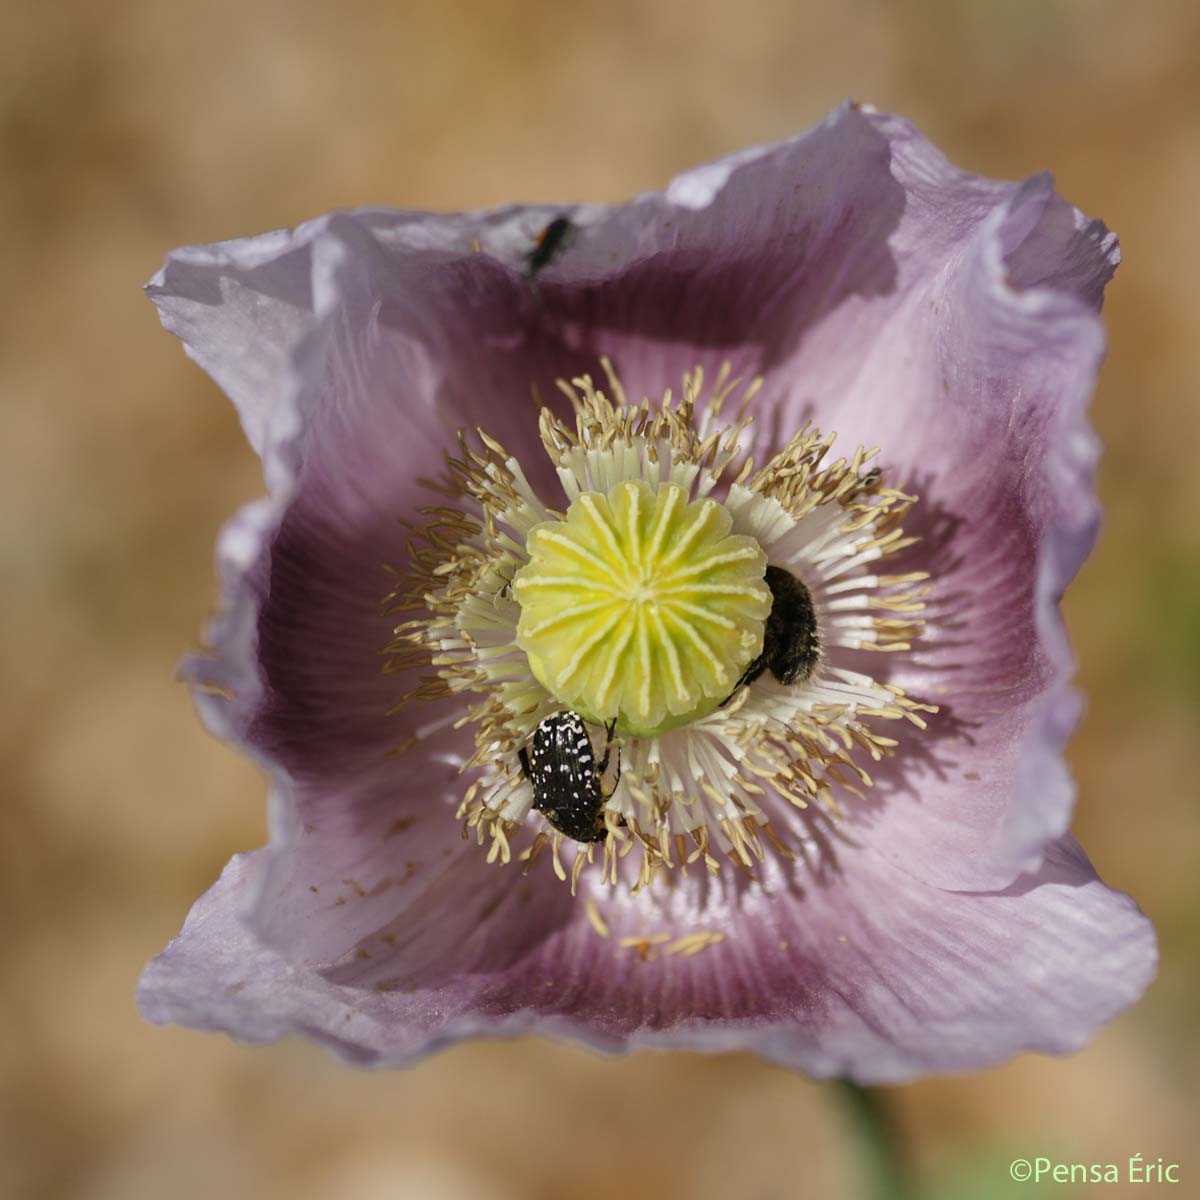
[
  {"x": 791, "y": 647},
  {"x": 561, "y": 768}
]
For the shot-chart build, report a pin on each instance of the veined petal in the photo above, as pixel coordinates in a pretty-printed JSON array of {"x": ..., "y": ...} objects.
[
  {"x": 880, "y": 980},
  {"x": 978, "y": 388}
]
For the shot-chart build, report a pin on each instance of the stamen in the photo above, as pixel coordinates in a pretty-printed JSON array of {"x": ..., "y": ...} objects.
[{"x": 640, "y": 603}]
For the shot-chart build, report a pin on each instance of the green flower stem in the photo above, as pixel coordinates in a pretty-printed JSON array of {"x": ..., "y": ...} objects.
[{"x": 877, "y": 1142}]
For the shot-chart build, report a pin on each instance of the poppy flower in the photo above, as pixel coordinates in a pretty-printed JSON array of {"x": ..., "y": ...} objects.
[{"x": 650, "y": 633}]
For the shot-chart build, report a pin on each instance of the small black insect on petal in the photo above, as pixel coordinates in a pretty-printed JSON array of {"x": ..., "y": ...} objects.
[
  {"x": 791, "y": 647},
  {"x": 549, "y": 242},
  {"x": 561, "y": 767}
]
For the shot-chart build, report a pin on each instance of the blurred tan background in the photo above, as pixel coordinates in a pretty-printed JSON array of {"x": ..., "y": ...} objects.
[{"x": 130, "y": 126}]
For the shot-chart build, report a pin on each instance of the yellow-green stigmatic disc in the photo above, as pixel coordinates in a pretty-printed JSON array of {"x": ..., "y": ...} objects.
[{"x": 642, "y": 606}]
